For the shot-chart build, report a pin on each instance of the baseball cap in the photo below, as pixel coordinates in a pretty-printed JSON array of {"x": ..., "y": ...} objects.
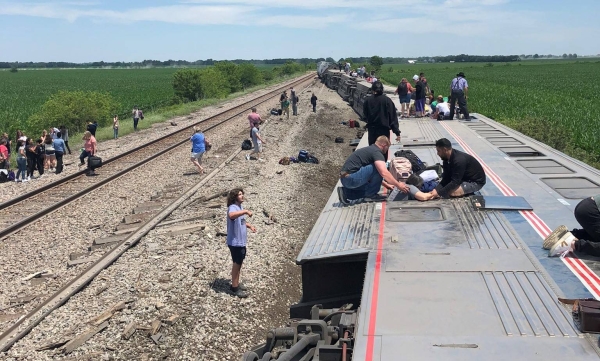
[{"x": 416, "y": 77}]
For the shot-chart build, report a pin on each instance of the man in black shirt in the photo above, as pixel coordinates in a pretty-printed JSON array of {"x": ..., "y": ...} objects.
[
  {"x": 462, "y": 173},
  {"x": 380, "y": 114},
  {"x": 92, "y": 127},
  {"x": 364, "y": 171}
]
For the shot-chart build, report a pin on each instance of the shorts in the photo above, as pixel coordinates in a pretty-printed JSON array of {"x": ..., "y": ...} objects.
[
  {"x": 238, "y": 254},
  {"x": 197, "y": 156},
  {"x": 49, "y": 152},
  {"x": 470, "y": 187},
  {"x": 404, "y": 99},
  {"x": 257, "y": 148}
]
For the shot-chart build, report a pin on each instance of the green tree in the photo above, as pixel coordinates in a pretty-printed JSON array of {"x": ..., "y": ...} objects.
[
  {"x": 74, "y": 109},
  {"x": 536, "y": 56},
  {"x": 250, "y": 75},
  {"x": 232, "y": 73},
  {"x": 14, "y": 69},
  {"x": 214, "y": 83},
  {"x": 268, "y": 75},
  {"x": 187, "y": 84},
  {"x": 565, "y": 55},
  {"x": 376, "y": 62}
]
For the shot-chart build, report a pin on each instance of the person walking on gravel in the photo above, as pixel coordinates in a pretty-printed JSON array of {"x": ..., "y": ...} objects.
[
  {"x": 116, "y": 126},
  {"x": 198, "y": 148},
  {"x": 237, "y": 238},
  {"x": 313, "y": 102},
  {"x": 137, "y": 115},
  {"x": 285, "y": 104},
  {"x": 89, "y": 147},
  {"x": 59, "y": 151},
  {"x": 253, "y": 118},
  {"x": 65, "y": 136},
  {"x": 294, "y": 101},
  {"x": 257, "y": 140}
]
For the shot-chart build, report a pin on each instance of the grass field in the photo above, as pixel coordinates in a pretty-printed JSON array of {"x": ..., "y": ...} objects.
[{"x": 552, "y": 101}]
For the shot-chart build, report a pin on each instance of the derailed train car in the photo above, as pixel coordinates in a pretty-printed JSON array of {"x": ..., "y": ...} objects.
[{"x": 346, "y": 87}]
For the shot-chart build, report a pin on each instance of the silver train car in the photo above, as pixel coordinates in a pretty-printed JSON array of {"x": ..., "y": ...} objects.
[{"x": 451, "y": 279}]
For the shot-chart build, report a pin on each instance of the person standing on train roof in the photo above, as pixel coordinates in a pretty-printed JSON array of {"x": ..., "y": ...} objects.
[
  {"x": 462, "y": 174},
  {"x": 459, "y": 91},
  {"x": 380, "y": 114},
  {"x": 586, "y": 239},
  {"x": 237, "y": 238},
  {"x": 364, "y": 171},
  {"x": 403, "y": 91}
]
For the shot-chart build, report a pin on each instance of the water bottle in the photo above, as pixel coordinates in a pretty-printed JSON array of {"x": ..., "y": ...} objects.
[{"x": 393, "y": 195}]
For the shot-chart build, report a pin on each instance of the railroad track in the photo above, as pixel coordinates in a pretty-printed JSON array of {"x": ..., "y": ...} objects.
[
  {"x": 24, "y": 210},
  {"x": 77, "y": 185}
]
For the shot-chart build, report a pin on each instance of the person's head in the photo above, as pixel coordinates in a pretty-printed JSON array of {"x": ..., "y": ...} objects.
[
  {"x": 235, "y": 196},
  {"x": 440, "y": 99},
  {"x": 135, "y": 107},
  {"x": 3, "y": 141},
  {"x": 19, "y": 143},
  {"x": 5, "y": 135},
  {"x": 443, "y": 148},
  {"x": 116, "y": 116},
  {"x": 383, "y": 143},
  {"x": 460, "y": 75},
  {"x": 19, "y": 133},
  {"x": 44, "y": 133},
  {"x": 403, "y": 80},
  {"x": 87, "y": 135},
  {"x": 38, "y": 141},
  {"x": 421, "y": 74},
  {"x": 48, "y": 139},
  {"x": 414, "y": 180},
  {"x": 377, "y": 87},
  {"x": 253, "y": 110},
  {"x": 28, "y": 141},
  {"x": 58, "y": 135},
  {"x": 197, "y": 130},
  {"x": 415, "y": 77},
  {"x": 62, "y": 128},
  {"x": 424, "y": 80}
]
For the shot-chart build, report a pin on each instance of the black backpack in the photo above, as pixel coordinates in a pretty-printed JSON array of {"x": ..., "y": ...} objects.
[
  {"x": 247, "y": 144},
  {"x": 416, "y": 163},
  {"x": 402, "y": 89}
]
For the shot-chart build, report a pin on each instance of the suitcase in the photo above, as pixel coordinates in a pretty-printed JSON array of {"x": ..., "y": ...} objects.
[{"x": 94, "y": 162}]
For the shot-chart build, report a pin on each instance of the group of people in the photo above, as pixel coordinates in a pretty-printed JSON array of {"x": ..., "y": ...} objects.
[
  {"x": 40, "y": 154},
  {"x": 422, "y": 96}
]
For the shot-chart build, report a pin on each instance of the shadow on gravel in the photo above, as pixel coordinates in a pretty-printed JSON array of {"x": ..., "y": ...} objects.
[
  {"x": 221, "y": 285},
  {"x": 190, "y": 174}
]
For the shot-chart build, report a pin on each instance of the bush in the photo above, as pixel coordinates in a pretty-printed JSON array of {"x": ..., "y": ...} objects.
[
  {"x": 268, "y": 75},
  {"x": 232, "y": 73},
  {"x": 74, "y": 109},
  {"x": 250, "y": 75},
  {"x": 214, "y": 84},
  {"x": 187, "y": 84},
  {"x": 14, "y": 69}
]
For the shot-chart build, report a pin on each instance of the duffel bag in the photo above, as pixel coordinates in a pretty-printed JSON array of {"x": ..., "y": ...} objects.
[{"x": 94, "y": 162}]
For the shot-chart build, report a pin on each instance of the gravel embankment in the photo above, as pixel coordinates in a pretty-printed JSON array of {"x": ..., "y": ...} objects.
[{"x": 187, "y": 274}]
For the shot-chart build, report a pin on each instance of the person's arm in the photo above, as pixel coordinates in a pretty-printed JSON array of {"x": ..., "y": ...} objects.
[
  {"x": 388, "y": 177},
  {"x": 458, "y": 171},
  {"x": 366, "y": 111},
  {"x": 260, "y": 138},
  {"x": 423, "y": 196},
  {"x": 93, "y": 146},
  {"x": 236, "y": 214},
  {"x": 466, "y": 92},
  {"x": 250, "y": 227},
  {"x": 393, "y": 119}
]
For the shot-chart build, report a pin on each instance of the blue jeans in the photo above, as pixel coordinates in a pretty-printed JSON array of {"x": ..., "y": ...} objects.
[
  {"x": 22, "y": 165},
  {"x": 116, "y": 132},
  {"x": 84, "y": 155},
  {"x": 363, "y": 183}
]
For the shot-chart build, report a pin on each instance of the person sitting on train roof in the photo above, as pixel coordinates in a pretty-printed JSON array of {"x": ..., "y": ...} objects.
[
  {"x": 586, "y": 239},
  {"x": 462, "y": 174},
  {"x": 364, "y": 172},
  {"x": 442, "y": 109}
]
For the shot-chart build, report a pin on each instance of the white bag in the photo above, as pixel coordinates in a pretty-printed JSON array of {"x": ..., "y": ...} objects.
[{"x": 428, "y": 175}]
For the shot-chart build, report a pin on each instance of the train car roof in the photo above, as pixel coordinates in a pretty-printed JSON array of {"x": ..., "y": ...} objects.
[{"x": 448, "y": 281}]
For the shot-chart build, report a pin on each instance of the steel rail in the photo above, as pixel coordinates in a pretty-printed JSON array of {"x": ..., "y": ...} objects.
[
  {"x": 28, "y": 220},
  {"x": 12, "y": 335}
]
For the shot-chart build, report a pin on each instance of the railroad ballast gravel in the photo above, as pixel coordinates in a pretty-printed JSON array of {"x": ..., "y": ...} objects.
[{"x": 185, "y": 277}]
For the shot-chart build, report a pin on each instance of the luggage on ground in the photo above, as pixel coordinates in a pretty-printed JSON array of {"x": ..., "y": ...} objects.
[
  {"x": 246, "y": 144},
  {"x": 401, "y": 168},
  {"x": 94, "y": 162},
  {"x": 417, "y": 164}
]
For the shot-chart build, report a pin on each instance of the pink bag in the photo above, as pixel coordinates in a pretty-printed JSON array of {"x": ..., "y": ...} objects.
[{"x": 401, "y": 168}]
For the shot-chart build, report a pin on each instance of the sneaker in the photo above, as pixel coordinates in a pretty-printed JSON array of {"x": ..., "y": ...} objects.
[
  {"x": 241, "y": 286},
  {"x": 247, "y": 156},
  {"x": 28, "y": 179},
  {"x": 554, "y": 237},
  {"x": 25, "y": 180},
  {"x": 240, "y": 293},
  {"x": 563, "y": 246},
  {"x": 342, "y": 196}
]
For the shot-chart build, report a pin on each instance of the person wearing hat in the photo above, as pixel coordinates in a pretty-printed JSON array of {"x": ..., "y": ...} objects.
[{"x": 459, "y": 89}]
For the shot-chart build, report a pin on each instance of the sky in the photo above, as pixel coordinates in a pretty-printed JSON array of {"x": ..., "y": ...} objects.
[{"x": 134, "y": 30}]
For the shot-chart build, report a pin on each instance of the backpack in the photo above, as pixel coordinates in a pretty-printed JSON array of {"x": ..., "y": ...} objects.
[
  {"x": 3, "y": 176},
  {"x": 312, "y": 159},
  {"x": 339, "y": 140},
  {"x": 274, "y": 112},
  {"x": 402, "y": 89},
  {"x": 11, "y": 176},
  {"x": 246, "y": 144},
  {"x": 417, "y": 164},
  {"x": 303, "y": 156},
  {"x": 284, "y": 161},
  {"x": 94, "y": 162},
  {"x": 401, "y": 168}
]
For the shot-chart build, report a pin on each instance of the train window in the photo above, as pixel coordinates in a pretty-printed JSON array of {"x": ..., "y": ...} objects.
[
  {"x": 414, "y": 214},
  {"x": 520, "y": 151},
  {"x": 544, "y": 166},
  {"x": 573, "y": 187},
  {"x": 503, "y": 141},
  {"x": 490, "y": 133}
]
